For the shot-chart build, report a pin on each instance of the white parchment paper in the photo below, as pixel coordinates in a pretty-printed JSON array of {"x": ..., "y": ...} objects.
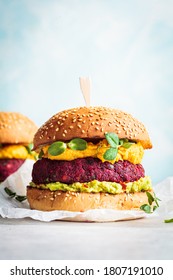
[
  {"x": 164, "y": 191},
  {"x": 17, "y": 182}
]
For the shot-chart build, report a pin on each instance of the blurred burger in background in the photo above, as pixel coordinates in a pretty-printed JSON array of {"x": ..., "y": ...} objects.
[
  {"x": 90, "y": 158},
  {"x": 16, "y": 136}
]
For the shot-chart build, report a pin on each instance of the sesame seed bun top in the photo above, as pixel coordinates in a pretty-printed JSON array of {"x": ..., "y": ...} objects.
[
  {"x": 16, "y": 128},
  {"x": 91, "y": 123}
]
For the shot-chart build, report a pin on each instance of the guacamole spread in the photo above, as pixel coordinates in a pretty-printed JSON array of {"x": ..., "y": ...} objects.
[{"x": 143, "y": 184}]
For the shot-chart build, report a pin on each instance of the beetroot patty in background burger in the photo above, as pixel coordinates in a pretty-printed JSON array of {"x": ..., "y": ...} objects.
[
  {"x": 90, "y": 157},
  {"x": 16, "y": 136}
]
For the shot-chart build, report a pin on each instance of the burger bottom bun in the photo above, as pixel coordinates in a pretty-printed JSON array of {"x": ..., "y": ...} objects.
[{"x": 46, "y": 200}]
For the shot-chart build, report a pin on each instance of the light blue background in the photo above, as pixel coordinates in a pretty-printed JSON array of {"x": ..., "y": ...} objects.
[{"x": 125, "y": 46}]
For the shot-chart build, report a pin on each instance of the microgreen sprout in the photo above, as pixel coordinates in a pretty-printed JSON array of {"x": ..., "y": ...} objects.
[
  {"x": 114, "y": 142},
  {"x": 59, "y": 147},
  {"x": 152, "y": 199},
  {"x": 12, "y": 194}
]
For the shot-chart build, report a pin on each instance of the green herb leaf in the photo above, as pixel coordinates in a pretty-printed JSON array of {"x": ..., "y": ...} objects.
[
  {"x": 121, "y": 142},
  {"x": 41, "y": 153},
  {"x": 146, "y": 208},
  {"x": 112, "y": 139},
  {"x": 57, "y": 148},
  {"x": 9, "y": 192},
  {"x": 127, "y": 145},
  {"x": 154, "y": 207},
  {"x": 29, "y": 148},
  {"x": 168, "y": 221},
  {"x": 77, "y": 144},
  {"x": 150, "y": 198},
  {"x": 156, "y": 199},
  {"x": 20, "y": 198},
  {"x": 110, "y": 154}
]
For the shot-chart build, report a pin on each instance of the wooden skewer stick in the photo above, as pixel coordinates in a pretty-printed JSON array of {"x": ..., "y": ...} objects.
[{"x": 85, "y": 85}]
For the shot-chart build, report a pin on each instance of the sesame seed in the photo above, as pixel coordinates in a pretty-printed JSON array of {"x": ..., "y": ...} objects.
[
  {"x": 57, "y": 129},
  {"x": 79, "y": 125}
]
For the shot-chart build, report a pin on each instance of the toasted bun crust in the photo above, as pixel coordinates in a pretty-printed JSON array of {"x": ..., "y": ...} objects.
[
  {"x": 46, "y": 200},
  {"x": 16, "y": 128},
  {"x": 91, "y": 123}
]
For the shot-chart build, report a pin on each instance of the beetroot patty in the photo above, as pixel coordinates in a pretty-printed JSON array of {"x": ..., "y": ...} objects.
[
  {"x": 9, "y": 166},
  {"x": 85, "y": 170}
]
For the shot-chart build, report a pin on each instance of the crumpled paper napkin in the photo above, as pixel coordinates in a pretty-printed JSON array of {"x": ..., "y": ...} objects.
[
  {"x": 164, "y": 191},
  {"x": 17, "y": 182}
]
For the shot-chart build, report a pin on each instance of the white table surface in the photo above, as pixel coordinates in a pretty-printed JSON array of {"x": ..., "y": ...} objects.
[{"x": 147, "y": 238}]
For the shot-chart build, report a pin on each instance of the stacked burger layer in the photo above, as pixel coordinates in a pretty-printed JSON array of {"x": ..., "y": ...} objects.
[{"x": 90, "y": 157}]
